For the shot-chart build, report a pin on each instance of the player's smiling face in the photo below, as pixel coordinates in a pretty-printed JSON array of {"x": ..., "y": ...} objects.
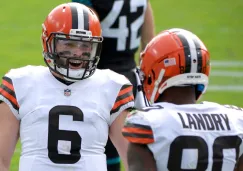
[{"x": 68, "y": 49}]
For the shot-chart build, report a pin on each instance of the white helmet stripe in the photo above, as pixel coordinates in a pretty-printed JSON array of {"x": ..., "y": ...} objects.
[{"x": 80, "y": 18}]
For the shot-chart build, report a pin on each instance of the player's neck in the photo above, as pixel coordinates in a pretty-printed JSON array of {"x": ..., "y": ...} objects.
[
  {"x": 179, "y": 95},
  {"x": 179, "y": 101}
]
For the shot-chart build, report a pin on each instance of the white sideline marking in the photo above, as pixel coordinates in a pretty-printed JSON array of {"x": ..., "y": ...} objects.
[
  {"x": 221, "y": 73},
  {"x": 229, "y": 88},
  {"x": 227, "y": 64}
]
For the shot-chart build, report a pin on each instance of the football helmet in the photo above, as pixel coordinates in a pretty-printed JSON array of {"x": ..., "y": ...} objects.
[
  {"x": 72, "y": 25},
  {"x": 175, "y": 57}
]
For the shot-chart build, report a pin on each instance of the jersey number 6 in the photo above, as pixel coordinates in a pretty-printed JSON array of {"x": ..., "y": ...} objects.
[{"x": 54, "y": 135}]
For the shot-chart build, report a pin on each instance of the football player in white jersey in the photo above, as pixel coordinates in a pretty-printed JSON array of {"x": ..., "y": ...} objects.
[
  {"x": 65, "y": 112},
  {"x": 175, "y": 133}
]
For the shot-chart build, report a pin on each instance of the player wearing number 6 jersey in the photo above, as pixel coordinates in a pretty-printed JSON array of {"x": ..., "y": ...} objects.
[
  {"x": 65, "y": 112},
  {"x": 175, "y": 133},
  {"x": 126, "y": 24}
]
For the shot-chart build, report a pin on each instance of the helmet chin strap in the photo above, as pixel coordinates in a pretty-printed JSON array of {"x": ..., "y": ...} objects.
[
  {"x": 70, "y": 80},
  {"x": 72, "y": 73}
]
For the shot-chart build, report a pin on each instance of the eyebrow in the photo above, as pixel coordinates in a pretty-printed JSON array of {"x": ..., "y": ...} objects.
[
  {"x": 68, "y": 43},
  {"x": 64, "y": 52}
]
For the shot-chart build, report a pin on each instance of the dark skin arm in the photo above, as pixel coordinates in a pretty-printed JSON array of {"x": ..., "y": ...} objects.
[
  {"x": 148, "y": 29},
  {"x": 239, "y": 164},
  {"x": 140, "y": 158}
]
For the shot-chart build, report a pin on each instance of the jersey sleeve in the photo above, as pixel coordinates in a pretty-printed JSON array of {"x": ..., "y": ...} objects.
[
  {"x": 137, "y": 129},
  {"x": 123, "y": 98},
  {"x": 8, "y": 95},
  {"x": 14, "y": 87},
  {"x": 233, "y": 107}
]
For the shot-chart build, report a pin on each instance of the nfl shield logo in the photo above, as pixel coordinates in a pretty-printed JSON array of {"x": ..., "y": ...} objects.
[{"x": 67, "y": 92}]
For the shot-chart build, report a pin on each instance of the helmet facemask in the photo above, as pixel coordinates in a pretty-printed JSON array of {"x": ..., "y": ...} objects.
[{"x": 75, "y": 57}]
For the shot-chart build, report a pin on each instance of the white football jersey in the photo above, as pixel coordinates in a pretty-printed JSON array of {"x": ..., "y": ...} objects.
[
  {"x": 64, "y": 128},
  {"x": 206, "y": 137}
]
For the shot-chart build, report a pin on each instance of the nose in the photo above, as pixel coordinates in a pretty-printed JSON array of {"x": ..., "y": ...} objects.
[{"x": 77, "y": 52}]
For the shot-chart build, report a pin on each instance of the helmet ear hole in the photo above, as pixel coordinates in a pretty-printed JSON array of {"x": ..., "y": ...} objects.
[
  {"x": 149, "y": 81},
  {"x": 151, "y": 77}
]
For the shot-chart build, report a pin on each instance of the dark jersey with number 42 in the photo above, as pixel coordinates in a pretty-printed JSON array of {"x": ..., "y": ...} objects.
[
  {"x": 121, "y": 22},
  {"x": 198, "y": 137}
]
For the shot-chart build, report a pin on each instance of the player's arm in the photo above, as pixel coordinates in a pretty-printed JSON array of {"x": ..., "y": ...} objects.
[
  {"x": 117, "y": 138},
  {"x": 121, "y": 106},
  {"x": 139, "y": 133},
  {"x": 140, "y": 158},
  {"x": 239, "y": 164},
  {"x": 148, "y": 29},
  {"x": 9, "y": 135}
]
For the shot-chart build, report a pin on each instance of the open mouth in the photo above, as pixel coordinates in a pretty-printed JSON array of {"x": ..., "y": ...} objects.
[{"x": 76, "y": 64}]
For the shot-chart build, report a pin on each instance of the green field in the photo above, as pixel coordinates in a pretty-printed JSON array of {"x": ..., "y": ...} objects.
[{"x": 217, "y": 22}]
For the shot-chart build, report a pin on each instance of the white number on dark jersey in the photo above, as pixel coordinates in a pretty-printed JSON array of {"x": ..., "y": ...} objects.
[{"x": 122, "y": 32}]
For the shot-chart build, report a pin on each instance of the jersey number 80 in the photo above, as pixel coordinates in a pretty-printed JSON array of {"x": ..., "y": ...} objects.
[{"x": 198, "y": 143}]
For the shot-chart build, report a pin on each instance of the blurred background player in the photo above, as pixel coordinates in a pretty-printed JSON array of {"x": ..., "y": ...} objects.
[
  {"x": 126, "y": 24},
  {"x": 58, "y": 110},
  {"x": 175, "y": 133}
]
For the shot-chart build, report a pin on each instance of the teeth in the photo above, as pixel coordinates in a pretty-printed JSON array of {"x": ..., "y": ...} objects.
[{"x": 75, "y": 61}]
